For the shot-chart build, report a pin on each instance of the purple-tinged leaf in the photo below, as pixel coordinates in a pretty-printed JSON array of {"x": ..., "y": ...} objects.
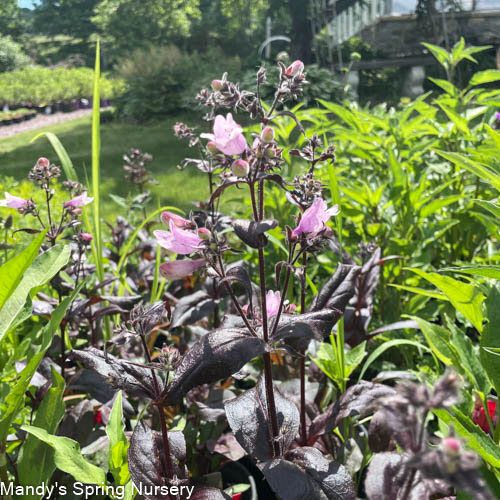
[
  {"x": 248, "y": 418},
  {"x": 252, "y": 232},
  {"x": 338, "y": 290},
  {"x": 221, "y": 189},
  {"x": 379, "y": 433},
  {"x": 126, "y": 301},
  {"x": 215, "y": 356},
  {"x": 307, "y": 474},
  {"x": 299, "y": 329},
  {"x": 146, "y": 458},
  {"x": 387, "y": 476},
  {"x": 240, "y": 274},
  {"x": 191, "y": 308},
  {"x": 359, "y": 399},
  {"x": 209, "y": 494},
  {"x": 398, "y": 325},
  {"x": 134, "y": 380}
]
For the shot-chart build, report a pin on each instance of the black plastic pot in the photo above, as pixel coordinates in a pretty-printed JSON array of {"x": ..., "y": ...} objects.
[{"x": 236, "y": 472}]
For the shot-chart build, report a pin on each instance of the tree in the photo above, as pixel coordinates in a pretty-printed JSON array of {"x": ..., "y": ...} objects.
[
  {"x": 10, "y": 18},
  {"x": 129, "y": 24}
]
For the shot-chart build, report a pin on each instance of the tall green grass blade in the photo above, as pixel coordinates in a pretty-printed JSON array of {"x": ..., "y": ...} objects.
[
  {"x": 96, "y": 171},
  {"x": 62, "y": 154}
]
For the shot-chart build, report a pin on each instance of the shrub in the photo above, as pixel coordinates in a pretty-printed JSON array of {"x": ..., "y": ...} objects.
[{"x": 11, "y": 55}]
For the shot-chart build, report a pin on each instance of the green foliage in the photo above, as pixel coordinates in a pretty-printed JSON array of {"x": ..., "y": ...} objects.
[
  {"x": 11, "y": 55},
  {"x": 42, "y": 86}
]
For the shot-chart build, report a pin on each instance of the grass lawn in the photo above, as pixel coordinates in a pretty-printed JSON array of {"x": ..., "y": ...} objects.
[{"x": 179, "y": 188}]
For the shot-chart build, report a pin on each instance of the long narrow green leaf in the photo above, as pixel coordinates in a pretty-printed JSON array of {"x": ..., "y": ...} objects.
[
  {"x": 12, "y": 272},
  {"x": 96, "y": 170},
  {"x": 387, "y": 345},
  {"x": 66, "y": 163},
  {"x": 43, "y": 268},
  {"x": 36, "y": 459}
]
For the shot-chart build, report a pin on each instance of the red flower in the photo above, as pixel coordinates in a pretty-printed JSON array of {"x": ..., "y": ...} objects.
[
  {"x": 479, "y": 415},
  {"x": 237, "y": 496},
  {"x": 97, "y": 417}
]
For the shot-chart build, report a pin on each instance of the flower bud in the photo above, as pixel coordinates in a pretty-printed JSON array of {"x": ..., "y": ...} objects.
[
  {"x": 217, "y": 85},
  {"x": 86, "y": 237},
  {"x": 240, "y": 168},
  {"x": 270, "y": 153},
  {"x": 77, "y": 211},
  {"x": 43, "y": 162},
  {"x": 8, "y": 222},
  {"x": 451, "y": 445},
  {"x": 204, "y": 233},
  {"x": 296, "y": 68},
  {"x": 212, "y": 147},
  {"x": 267, "y": 135}
]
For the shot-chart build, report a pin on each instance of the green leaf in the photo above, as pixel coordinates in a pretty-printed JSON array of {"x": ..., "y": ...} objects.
[
  {"x": 473, "y": 435},
  {"x": 438, "y": 339},
  {"x": 68, "y": 457},
  {"x": 488, "y": 76},
  {"x": 13, "y": 402},
  {"x": 447, "y": 86},
  {"x": 62, "y": 154},
  {"x": 464, "y": 297},
  {"x": 353, "y": 358},
  {"x": 439, "y": 53},
  {"x": 36, "y": 459},
  {"x": 118, "y": 444},
  {"x": 494, "y": 135},
  {"x": 43, "y": 269},
  {"x": 12, "y": 272},
  {"x": 486, "y": 271},
  {"x": 490, "y": 337},
  {"x": 459, "y": 121},
  {"x": 476, "y": 168},
  {"x": 387, "y": 345},
  {"x": 421, "y": 291},
  {"x": 436, "y": 205},
  {"x": 493, "y": 208}
]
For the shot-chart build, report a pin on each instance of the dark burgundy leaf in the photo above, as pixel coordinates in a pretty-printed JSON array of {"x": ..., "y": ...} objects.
[
  {"x": 126, "y": 302},
  {"x": 42, "y": 308},
  {"x": 27, "y": 230},
  {"x": 107, "y": 311},
  {"x": 387, "y": 476},
  {"x": 359, "y": 399},
  {"x": 252, "y": 232},
  {"x": 102, "y": 284},
  {"x": 307, "y": 474},
  {"x": 146, "y": 458},
  {"x": 134, "y": 380},
  {"x": 301, "y": 328},
  {"x": 368, "y": 280},
  {"x": 209, "y": 494},
  {"x": 240, "y": 274},
  {"x": 380, "y": 433},
  {"x": 274, "y": 178},
  {"x": 248, "y": 417},
  {"x": 216, "y": 356},
  {"x": 338, "y": 290},
  {"x": 191, "y": 308},
  {"x": 221, "y": 189}
]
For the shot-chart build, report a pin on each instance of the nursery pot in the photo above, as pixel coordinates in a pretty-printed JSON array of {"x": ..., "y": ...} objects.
[{"x": 236, "y": 472}]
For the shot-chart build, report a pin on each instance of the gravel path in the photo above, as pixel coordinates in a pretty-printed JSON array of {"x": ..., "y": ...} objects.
[{"x": 41, "y": 121}]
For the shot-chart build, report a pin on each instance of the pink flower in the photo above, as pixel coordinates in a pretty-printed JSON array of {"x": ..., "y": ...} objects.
[
  {"x": 79, "y": 201},
  {"x": 227, "y": 136},
  {"x": 179, "y": 221},
  {"x": 273, "y": 300},
  {"x": 178, "y": 240},
  {"x": 314, "y": 218},
  {"x": 296, "y": 68},
  {"x": 86, "y": 237},
  {"x": 43, "y": 162},
  {"x": 13, "y": 202},
  {"x": 178, "y": 269}
]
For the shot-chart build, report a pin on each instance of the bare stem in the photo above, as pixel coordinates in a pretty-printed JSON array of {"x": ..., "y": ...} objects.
[{"x": 303, "y": 430}]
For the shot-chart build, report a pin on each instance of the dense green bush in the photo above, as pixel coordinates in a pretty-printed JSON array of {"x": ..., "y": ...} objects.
[
  {"x": 39, "y": 86},
  {"x": 11, "y": 55},
  {"x": 162, "y": 80}
]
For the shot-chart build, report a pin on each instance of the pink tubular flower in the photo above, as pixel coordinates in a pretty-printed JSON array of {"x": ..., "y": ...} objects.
[
  {"x": 296, "y": 68},
  {"x": 86, "y": 237},
  {"x": 178, "y": 269},
  {"x": 43, "y": 162},
  {"x": 227, "y": 136},
  {"x": 314, "y": 218},
  {"x": 79, "y": 201},
  {"x": 179, "y": 221},
  {"x": 178, "y": 240},
  {"x": 13, "y": 201},
  {"x": 273, "y": 300}
]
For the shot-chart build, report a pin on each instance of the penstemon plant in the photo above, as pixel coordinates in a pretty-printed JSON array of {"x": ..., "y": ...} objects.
[{"x": 287, "y": 437}]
